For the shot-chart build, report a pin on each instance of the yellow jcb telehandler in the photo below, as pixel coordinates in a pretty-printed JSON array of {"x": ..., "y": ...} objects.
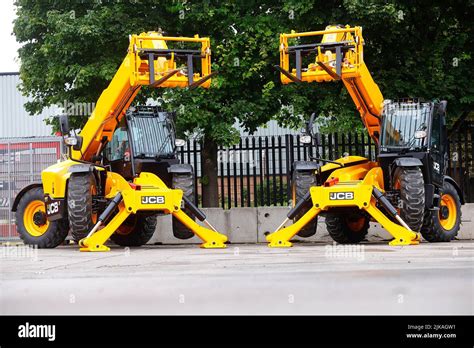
[
  {"x": 122, "y": 170},
  {"x": 406, "y": 189}
]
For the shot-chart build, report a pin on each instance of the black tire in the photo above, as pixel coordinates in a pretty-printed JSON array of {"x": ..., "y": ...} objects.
[
  {"x": 434, "y": 229},
  {"x": 341, "y": 227},
  {"x": 56, "y": 231},
  {"x": 79, "y": 203},
  {"x": 136, "y": 230},
  {"x": 412, "y": 196},
  {"x": 301, "y": 181},
  {"x": 183, "y": 182}
]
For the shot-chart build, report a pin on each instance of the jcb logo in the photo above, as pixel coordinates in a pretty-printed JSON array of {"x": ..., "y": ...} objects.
[
  {"x": 52, "y": 208},
  {"x": 153, "y": 200},
  {"x": 339, "y": 196}
]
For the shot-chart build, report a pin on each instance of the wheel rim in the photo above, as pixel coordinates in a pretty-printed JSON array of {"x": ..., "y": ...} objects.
[
  {"x": 34, "y": 224},
  {"x": 355, "y": 224},
  {"x": 448, "y": 203},
  {"x": 127, "y": 227}
]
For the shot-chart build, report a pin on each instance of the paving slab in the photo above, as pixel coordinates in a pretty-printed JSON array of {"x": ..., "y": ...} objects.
[{"x": 310, "y": 278}]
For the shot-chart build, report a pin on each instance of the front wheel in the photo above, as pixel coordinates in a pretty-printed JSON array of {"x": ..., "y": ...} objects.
[
  {"x": 32, "y": 224},
  {"x": 301, "y": 182},
  {"x": 443, "y": 225},
  {"x": 136, "y": 230},
  {"x": 410, "y": 183},
  {"x": 80, "y": 191},
  {"x": 184, "y": 182},
  {"x": 347, "y": 228}
]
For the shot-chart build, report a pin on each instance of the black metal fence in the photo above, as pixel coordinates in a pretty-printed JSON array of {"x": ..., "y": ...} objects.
[
  {"x": 256, "y": 171},
  {"x": 461, "y": 159}
]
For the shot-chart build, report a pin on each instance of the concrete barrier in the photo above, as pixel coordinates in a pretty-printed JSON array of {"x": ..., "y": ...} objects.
[
  {"x": 218, "y": 217},
  {"x": 251, "y": 225}
]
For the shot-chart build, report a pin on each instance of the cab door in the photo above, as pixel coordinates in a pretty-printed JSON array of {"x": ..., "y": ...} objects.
[
  {"x": 438, "y": 147},
  {"x": 118, "y": 152}
]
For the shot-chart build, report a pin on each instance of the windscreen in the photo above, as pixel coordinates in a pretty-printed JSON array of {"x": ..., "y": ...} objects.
[
  {"x": 152, "y": 134},
  {"x": 401, "y": 121}
]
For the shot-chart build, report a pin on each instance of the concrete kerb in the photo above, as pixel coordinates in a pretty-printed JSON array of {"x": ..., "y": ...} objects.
[
  {"x": 269, "y": 218},
  {"x": 251, "y": 225},
  {"x": 467, "y": 222},
  {"x": 218, "y": 217}
]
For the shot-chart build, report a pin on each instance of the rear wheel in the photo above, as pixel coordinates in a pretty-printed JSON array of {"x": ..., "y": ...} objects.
[
  {"x": 301, "y": 182},
  {"x": 347, "y": 228},
  {"x": 185, "y": 182},
  {"x": 32, "y": 224},
  {"x": 443, "y": 225},
  {"x": 412, "y": 196},
  {"x": 136, "y": 230},
  {"x": 81, "y": 188}
]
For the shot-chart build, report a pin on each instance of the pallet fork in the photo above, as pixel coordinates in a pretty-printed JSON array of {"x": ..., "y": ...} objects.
[{"x": 365, "y": 194}]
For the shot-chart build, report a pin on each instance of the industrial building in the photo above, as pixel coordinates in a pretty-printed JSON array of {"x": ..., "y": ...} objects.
[{"x": 27, "y": 146}]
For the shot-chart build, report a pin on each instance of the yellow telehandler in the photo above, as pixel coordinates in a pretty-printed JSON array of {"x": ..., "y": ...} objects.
[
  {"x": 406, "y": 189},
  {"x": 122, "y": 170}
]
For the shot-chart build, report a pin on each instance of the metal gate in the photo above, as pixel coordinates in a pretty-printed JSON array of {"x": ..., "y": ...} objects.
[{"x": 21, "y": 163}]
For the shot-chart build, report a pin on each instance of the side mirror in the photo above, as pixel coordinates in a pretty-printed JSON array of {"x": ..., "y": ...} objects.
[
  {"x": 74, "y": 141},
  {"x": 78, "y": 145},
  {"x": 420, "y": 134},
  {"x": 442, "y": 106},
  {"x": 64, "y": 124}
]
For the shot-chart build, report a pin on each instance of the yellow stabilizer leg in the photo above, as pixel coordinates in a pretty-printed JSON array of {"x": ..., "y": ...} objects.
[
  {"x": 212, "y": 239},
  {"x": 281, "y": 238},
  {"x": 97, "y": 240},
  {"x": 401, "y": 235}
]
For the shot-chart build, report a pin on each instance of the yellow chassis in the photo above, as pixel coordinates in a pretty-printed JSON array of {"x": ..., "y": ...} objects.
[
  {"x": 362, "y": 199},
  {"x": 149, "y": 186}
]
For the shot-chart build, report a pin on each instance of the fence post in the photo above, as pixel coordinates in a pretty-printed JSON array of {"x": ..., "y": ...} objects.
[
  {"x": 221, "y": 167},
  {"x": 255, "y": 193},
  {"x": 234, "y": 170},
  {"x": 470, "y": 196},
  {"x": 9, "y": 190},
  {"x": 249, "y": 159},
  {"x": 289, "y": 162},
  {"x": 195, "y": 167},
  {"x": 262, "y": 169}
]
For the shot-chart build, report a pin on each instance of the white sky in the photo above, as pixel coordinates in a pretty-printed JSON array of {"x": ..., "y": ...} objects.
[{"x": 9, "y": 55}]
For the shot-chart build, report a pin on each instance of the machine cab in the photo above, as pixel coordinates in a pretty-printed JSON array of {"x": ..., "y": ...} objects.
[
  {"x": 144, "y": 141},
  {"x": 414, "y": 128}
]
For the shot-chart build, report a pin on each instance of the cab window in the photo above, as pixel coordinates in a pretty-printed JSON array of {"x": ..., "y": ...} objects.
[
  {"x": 436, "y": 132},
  {"x": 119, "y": 147}
]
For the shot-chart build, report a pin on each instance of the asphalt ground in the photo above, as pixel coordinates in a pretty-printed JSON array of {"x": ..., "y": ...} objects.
[{"x": 310, "y": 278}]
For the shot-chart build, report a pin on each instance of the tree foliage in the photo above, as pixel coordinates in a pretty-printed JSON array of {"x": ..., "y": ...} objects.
[{"x": 72, "y": 49}]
